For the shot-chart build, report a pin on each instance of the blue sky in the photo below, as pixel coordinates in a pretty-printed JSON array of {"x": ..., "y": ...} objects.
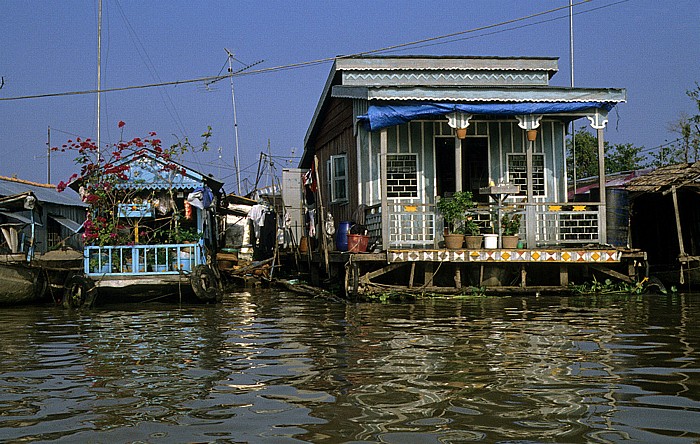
[{"x": 649, "y": 47}]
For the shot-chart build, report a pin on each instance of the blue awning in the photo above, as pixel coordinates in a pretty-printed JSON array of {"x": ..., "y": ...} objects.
[{"x": 383, "y": 116}]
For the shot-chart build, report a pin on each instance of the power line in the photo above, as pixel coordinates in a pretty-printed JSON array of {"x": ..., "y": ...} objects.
[{"x": 299, "y": 64}]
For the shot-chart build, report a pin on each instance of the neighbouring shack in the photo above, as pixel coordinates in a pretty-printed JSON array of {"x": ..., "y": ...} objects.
[
  {"x": 40, "y": 240},
  {"x": 665, "y": 222}
]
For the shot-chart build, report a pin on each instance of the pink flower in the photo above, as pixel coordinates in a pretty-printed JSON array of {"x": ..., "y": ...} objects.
[{"x": 121, "y": 124}]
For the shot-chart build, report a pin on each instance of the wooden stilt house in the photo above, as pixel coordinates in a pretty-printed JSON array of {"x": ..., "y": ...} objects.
[{"x": 391, "y": 136}]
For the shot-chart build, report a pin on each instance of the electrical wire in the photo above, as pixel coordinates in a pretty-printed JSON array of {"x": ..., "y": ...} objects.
[{"x": 301, "y": 64}]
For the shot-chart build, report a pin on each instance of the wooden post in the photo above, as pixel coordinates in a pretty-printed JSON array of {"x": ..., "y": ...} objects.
[
  {"x": 602, "y": 223},
  {"x": 458, "y": 164},
  {"x": 530, "y": 209},
  {"x": 383, "y": 148},
  {"x": 413, "y": 273},
  {"x": 681, "y": 248},
  {"x": 458, "y": 277},
  {"x": 321, "y": 217}
]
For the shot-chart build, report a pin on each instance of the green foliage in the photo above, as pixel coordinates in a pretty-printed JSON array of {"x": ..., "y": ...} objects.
[
  {"x": 686, "y": 148},
  {"x": 471, "y": 228},
  {"x": 510, "y": 224},
  {"x": 619, "y": 157},
  {"x": 454, "y": 209},
  {"x": 609, "y": 287}
]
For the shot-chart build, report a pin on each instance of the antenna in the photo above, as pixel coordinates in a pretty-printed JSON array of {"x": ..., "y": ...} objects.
[{"x": 99, "y": 82}]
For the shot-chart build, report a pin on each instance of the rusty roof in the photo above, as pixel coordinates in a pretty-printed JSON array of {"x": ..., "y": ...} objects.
[{"x": 664, "y": 178}]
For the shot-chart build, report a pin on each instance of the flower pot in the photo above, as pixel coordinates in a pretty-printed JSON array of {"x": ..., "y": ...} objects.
[
  {"x": 454, "y": 241},
  {"x": 473, "y": 242},
  {"x": 531, "y": 135},
  {"x": 461, "y": 133},
  {"x": 509, "y": 241},
  {"x": 490, "y": 241}
]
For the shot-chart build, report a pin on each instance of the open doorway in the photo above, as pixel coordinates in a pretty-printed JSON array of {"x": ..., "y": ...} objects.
[
  {"x": 474, "y": 170},
  {"x": 475, "y": 166}
]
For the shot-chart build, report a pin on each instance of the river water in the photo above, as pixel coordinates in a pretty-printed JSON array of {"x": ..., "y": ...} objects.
[{"x": 279, "y": 367}]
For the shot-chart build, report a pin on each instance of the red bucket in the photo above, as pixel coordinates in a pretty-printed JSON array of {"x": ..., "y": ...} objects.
[{"x": 357, "y": 243}]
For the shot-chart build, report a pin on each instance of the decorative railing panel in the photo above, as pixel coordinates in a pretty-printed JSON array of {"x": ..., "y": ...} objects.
[
  {"x": 415, "y": 226},
  {"x": 567, "y": 224},
  {"x": 142, "y": 259}
]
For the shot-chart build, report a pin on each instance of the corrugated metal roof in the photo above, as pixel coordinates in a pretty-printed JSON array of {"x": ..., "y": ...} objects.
[
  {"x": 44, "y": 192},
  {"x": 661, "y": 179},
  {"x": 378, "y": 63}
]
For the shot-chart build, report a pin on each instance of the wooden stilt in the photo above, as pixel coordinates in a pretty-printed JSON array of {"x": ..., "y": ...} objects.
[
  {"x": 563, "y": 275},
  {"x": 428, "y": 274},
  {"x": 413, "y": 272},
  {"x": 523, "y": 276},
  {"x": 458, "y": 277}
]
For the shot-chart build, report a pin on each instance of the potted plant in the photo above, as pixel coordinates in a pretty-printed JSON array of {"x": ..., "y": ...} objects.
[
  {"x": 510, "y": 227},
  {"x": 453, "y": 210},
  {"x": 472, "y": 232}
]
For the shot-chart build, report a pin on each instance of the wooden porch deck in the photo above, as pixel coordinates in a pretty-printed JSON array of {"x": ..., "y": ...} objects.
[{"x": 444, "y": 271}]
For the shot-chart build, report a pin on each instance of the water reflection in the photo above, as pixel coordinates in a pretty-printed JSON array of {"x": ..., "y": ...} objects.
[{"x": 279, "y": 367}]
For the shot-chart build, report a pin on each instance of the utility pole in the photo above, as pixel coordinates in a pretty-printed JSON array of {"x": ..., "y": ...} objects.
[
  {"x": 235, "y": 120},
  {"x": 48, "y": 154},
  {"x": 571, "y": 61}
]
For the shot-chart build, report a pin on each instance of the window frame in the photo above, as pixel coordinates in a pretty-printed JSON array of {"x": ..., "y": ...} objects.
[{"x": 333, "y": 178}]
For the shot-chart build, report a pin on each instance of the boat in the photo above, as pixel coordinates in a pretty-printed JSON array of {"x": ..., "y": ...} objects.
[{"x": 20, "y": 281}]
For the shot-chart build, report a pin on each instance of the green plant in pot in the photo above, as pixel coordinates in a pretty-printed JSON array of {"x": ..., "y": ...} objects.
[
  {"x": 472, "y": 232},
  {"x": 453, "y": 211},
  {"x": 510, "y": 227}
]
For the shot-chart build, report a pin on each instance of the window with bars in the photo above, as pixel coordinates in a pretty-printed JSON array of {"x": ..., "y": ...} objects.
[
  {"x": 517, "y": 173},
  {"x": 402, "y": 175}
]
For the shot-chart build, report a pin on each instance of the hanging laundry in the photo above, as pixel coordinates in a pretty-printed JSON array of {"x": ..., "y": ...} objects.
[{"x": 201, "y": 198}]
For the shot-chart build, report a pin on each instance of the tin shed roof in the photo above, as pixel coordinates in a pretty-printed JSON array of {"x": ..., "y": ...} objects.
[
  {"x": 662, "y": 179},
  {"x": 10, "y": 186}
]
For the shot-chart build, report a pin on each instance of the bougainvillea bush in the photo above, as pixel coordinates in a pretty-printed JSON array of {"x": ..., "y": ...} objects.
[{"x": 103, "y": 173}]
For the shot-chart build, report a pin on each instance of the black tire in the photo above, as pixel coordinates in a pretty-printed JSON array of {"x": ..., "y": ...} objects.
[
  {"x": 78, "y": 291},
  {"x": 41, "y": 285},
  {"x": 205, "y": 284},
  {"x": 352, "y": 280}
]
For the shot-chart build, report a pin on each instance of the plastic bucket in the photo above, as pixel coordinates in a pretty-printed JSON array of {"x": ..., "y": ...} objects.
[
  {"x": 490, "y": 241},
  {"x": 341, "y": 236},
  {"x": 357, "y": 243}
]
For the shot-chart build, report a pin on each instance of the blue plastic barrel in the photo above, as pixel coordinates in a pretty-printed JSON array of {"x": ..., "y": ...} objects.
[{"x": 341, "y": 236}]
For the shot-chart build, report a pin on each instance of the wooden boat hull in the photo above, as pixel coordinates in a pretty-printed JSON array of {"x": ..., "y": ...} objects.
[
  {"x": 21, "y": 283},
  {"x": 202, "y": 285}
]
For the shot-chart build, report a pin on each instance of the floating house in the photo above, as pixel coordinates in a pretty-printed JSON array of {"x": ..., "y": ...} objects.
[
  {"x": 391, "y": 136},
  {"x": 165, "y": 238}
]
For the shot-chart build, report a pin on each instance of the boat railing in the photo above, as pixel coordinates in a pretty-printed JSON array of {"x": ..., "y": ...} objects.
[{"x": 132, "y": 260}]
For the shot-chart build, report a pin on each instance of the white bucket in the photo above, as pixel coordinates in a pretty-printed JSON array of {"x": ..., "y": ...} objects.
[{"x": 490, "y": 241}]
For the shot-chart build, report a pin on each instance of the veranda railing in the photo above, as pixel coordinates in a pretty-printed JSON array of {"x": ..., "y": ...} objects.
[{"x": 542, "y": 224}]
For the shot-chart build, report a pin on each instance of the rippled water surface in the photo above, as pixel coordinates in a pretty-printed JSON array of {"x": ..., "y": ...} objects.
[{"x": 279, "y": 367}]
